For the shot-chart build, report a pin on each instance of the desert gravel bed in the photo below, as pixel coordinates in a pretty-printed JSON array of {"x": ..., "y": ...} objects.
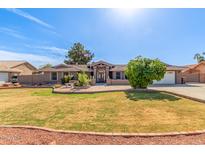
[{"x": 34, "y": 136}]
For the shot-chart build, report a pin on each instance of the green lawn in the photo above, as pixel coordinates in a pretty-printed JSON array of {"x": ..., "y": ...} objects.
[{"x": 101, "y": 112}]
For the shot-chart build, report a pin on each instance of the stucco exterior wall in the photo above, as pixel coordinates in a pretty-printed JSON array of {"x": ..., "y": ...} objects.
[
  {"x": 192, "y": 76},
  {"x": 179, "y": 77},
  {"x": 117, "y": 82},
  {"x": 26, "y": 70}
]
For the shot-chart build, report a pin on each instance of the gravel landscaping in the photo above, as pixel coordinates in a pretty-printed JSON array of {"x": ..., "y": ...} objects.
[{"x": 32, "y": 136}]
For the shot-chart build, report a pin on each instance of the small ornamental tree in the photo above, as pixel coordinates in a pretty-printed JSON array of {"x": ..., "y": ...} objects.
[
  {"x": 142, "y": 71},
  {"x": 65, "y": 79},
  {"x": 83, "y": 79}
]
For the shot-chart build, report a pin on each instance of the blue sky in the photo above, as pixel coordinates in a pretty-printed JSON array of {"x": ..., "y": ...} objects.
[{"x": 43, "y": 36}]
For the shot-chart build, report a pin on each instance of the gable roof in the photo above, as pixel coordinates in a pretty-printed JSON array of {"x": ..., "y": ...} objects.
[
  {"x": 101, "y": 62},
  {"x": 191, "y": 67},
  {"x": 169, "y": 67},
  {"x": 118, "y": 68},
  {"x": 9, "y": 66},
  {"x": 66, "y": 68}
]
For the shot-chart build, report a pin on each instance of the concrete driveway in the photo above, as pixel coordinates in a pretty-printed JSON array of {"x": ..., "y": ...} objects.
[{"x": 194, "y": 90}]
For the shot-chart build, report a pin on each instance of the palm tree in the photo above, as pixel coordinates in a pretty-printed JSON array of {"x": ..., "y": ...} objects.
[{"x": 199, "y": 57}]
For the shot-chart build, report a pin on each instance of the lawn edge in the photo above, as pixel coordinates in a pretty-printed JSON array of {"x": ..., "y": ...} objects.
[{"x": 197, "y": 132}]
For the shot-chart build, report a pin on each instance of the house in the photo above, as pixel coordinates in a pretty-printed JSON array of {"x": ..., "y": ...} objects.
[
  {"x": 194, "y": 73},
  {"x": 8, "y": 69},
  {"x": 104, "y": 72}
]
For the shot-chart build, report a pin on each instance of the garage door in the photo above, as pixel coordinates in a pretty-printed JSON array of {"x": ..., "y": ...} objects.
[
  {"x": 169, "y": 78},
  {"x": 3, "y": 77}
]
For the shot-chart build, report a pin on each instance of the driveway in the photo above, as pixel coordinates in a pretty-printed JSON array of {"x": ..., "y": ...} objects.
[{"x": 196, "y": 91}]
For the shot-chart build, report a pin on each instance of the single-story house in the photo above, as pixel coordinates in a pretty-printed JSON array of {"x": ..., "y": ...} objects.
[
  {"x": 195, "y": 73},
  {"x": 99, "y": 72},
  {"x": 104, "y": 72},
  {"x": 8, "y": 69}
]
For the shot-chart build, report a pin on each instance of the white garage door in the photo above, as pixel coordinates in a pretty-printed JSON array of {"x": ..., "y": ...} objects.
[
  {"x": 169, "y": 78},
  {"x": 3, "y": 77}
]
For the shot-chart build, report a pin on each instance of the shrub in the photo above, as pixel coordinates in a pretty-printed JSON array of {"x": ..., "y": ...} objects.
[
  {"x": 83, "y": 79},
  {"x": 65, "y": 79},
  {"x": 142, "y": 71}
]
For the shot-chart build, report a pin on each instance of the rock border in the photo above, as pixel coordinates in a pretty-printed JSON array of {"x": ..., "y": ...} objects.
[{"x": 197, "y": 132}]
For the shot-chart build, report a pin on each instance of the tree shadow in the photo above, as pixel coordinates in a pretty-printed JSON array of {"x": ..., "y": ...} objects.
[{"x": 148, "y": 95}]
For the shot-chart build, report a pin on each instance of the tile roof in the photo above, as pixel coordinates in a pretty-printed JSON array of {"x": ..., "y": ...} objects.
[
  {"x": 190, "y": 67},
  {"x": 66, "y": 68},
  {"x": 85, "y": 68},
  {"x": 7, "y": 66},
  {"x": 11, "y": 64},
  {"x": 118, "y": 68}
]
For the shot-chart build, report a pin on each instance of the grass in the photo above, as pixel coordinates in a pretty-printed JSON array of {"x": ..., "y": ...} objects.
[{"x": 101, "y": 112}]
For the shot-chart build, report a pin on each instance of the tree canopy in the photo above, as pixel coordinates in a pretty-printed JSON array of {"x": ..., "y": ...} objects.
[
  {"x": 199, "y": 57},
  {"x": 143, "y": 71},
  {"x": 77, "y": 54},
  {"x": 45, "y": 66}
]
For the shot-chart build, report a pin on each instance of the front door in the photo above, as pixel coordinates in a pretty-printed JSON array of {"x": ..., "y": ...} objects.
[{"x": 101, "y": 77}]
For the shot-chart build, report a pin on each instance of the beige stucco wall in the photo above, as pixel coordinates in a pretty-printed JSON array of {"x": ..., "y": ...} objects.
[
  {"x": 117, "y": 82},
  {"x": 192, "y": 76},
  {"x": 196, "y": 75},
  {"x": 26, "y": 70},
  {"x": 179, "y": 77}
]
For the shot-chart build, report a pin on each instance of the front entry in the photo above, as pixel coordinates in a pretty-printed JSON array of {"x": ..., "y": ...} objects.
[{"x": 100, "y": 76}]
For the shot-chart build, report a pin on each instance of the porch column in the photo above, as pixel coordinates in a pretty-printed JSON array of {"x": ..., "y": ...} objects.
[
  {"x": 107, "y": 73},
  {"x": 95, "y": 73}
]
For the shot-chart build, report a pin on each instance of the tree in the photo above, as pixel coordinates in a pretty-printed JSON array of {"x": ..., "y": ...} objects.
[
  {"x": 78, "y": 55},
  {"x": 199, "y": 57},
  {"x": 65, "y": 79},
  {"x": 83, "y": 79},
  {"x": 45, "y": 66},
  {"x": 142, "y": 71}
]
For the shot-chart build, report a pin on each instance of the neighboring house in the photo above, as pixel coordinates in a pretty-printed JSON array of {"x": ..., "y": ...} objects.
[
  {"x": 194, "y": 73},
  {"x": 8, "y": 69},
  {"x": 104, "y": 72}
]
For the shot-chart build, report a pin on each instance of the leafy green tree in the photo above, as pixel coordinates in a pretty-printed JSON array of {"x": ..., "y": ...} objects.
[
  {"x": 142, "y": 71},
  {"x": 199, "y": 57},
  {"x": 45, "y": 66},
  {"x": 83, "y": 79},
  {"x": 78, "y": 55}
]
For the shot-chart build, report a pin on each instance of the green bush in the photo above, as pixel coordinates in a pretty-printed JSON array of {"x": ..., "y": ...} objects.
[
  {"x": 142, "y": 71},
  {"x": 65, "y": 79},
  {"x": 83, "y": 79}
]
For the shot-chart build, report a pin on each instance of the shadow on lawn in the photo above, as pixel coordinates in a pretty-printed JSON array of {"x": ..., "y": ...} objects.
[{"x": 136, "y": 96}]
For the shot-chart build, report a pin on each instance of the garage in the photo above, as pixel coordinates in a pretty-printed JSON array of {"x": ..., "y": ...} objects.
[
  {"x": 169, "y": 78},
  {"x": 3, "y": 77}
]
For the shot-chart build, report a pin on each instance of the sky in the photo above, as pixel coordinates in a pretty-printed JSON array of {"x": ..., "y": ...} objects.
[{"x": 42, "y": 36}]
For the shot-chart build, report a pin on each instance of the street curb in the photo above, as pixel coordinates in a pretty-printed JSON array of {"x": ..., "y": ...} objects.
[{"x": 197, "y": 132}]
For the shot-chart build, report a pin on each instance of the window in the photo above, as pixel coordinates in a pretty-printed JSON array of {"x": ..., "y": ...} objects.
[
  {"x": 54, "y": 76},
  {"x": 118, "y": 75}
]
